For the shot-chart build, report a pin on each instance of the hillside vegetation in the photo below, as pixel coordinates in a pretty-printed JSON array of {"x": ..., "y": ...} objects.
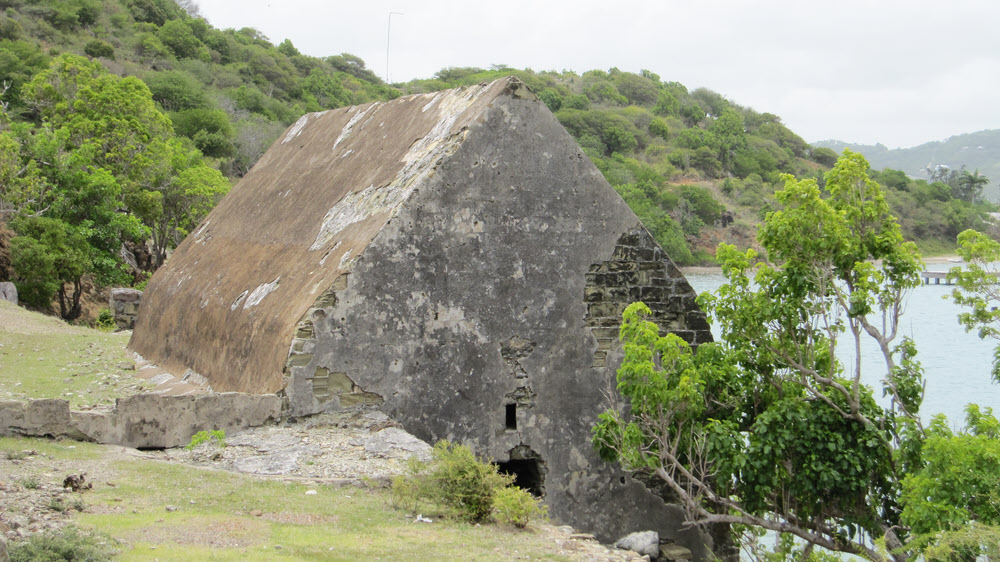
[
  {"x": 971, "y": 151},
  {"x": 125, "y": 121}
]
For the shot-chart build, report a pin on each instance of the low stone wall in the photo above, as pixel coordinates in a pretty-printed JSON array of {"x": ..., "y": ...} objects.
[
  {"x": 143, "y": 421},
  {"x": 124, "y": 304},
  {"x": 8, "y": 292}
]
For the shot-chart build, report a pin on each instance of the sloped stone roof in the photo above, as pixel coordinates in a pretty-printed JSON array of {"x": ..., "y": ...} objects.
[{"x": 227, "y": 301}]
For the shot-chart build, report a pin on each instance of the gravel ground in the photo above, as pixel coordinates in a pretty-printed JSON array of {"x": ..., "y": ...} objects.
[{"x": 342, "y": 449}]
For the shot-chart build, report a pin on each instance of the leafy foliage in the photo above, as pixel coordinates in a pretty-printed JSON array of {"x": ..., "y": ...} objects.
[
  {"x": 464, "y": 486},
  {"x": 517, "y": 507},
  {"x": 769, "y": 429},
  {"x": 977, "y": 289},
  {"x": 68, "y": 543},
  {"x": 216, "y": 436}
]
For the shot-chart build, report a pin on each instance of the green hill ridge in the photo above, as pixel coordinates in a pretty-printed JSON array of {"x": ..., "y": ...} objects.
[{"x": 127, "y": 120}]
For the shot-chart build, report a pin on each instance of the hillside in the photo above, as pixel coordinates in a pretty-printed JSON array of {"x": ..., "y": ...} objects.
[
  {"x": 125, "y": 121},
  {"x": 973, "y": 151}
]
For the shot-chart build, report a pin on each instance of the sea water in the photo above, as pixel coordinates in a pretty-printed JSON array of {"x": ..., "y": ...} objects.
[{"x": 956, "y": 363}]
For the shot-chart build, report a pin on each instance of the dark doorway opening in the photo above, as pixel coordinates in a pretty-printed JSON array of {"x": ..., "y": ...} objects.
[
  {"x": 527, "y": 468},
  {"x": 527, "y": 475}
]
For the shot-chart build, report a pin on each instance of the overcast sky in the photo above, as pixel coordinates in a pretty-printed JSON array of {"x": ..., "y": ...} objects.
[{"x": 899, "y": 72}]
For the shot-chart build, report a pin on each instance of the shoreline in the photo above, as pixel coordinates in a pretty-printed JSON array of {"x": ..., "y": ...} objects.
[{"x": 947, "y": 259}]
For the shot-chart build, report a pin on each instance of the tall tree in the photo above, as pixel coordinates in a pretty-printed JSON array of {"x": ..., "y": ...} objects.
[
  {"x": 769, "y": 429},
  {"x": 969, "y": 187}
]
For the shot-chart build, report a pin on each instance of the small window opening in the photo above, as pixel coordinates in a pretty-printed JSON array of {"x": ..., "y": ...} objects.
[{"x": 511, "y": 417}]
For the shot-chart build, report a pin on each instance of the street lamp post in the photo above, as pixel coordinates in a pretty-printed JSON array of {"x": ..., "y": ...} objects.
[{"x": 388, "y": 28}]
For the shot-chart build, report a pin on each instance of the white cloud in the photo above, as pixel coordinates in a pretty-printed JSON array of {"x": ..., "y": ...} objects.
[{"x": 893, "y": 71}]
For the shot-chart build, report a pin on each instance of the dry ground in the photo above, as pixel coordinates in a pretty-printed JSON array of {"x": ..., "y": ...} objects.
[{"x": 326, "y": 500}]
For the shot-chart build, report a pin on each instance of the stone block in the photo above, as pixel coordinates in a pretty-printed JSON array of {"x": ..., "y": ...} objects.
[
  {"x": 304, "y": 330},
  {"x": 94, "y": 426},
  {"x": 360, "y": 399},
  {"x": 11, "y": 415},
  {"x": 8, "y": 292},
  {"x": 123, "y": 294},
  {"x": 675, "y": 552},
  {"x": 49, "y": 416},
  {"x": 299, "y": 360},
  {"x": 593, "y": 294},
  {"x": 646, "y": 543},
  {"x": 156, "y": 421}
]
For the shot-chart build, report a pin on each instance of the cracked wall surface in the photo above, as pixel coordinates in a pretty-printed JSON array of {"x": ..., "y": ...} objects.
[
  {"x": 227, "y": 302},
  {"x": 471, "y": 294},
  {"x": 474, "y": 316}
]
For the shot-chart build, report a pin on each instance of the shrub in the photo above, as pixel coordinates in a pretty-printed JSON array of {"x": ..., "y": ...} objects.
[
  {"x": 658, "y": 127},
  {"x": 462, "y": 485},
  {"x": 517, "y": 507},
  {"x": 68, "y": 543},
  {"x": 105, "y": 320},
  {"x": 576, "y": 101},
  {"x": 218, "y": 435},
  {"x": 98, "y": 48}
]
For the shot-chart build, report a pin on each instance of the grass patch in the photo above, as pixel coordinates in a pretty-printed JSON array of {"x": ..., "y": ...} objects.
[
  {"x": 238, "y": 517},
  {"x": 69, "y": 543},
  {"x": 41, "y": 357},
  {"x": 62, "y": 449},
  {"x": 936, "y": 247}
]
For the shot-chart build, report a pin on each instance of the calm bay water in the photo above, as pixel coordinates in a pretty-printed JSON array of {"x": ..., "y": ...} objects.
[{"x": 956, "y": 364}]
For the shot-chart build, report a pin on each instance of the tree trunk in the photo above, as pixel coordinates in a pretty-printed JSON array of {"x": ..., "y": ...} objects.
[{"x": 69, "y": 306}]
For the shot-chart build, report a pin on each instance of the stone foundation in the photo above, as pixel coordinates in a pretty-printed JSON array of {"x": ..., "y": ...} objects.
[
  {"x": 124, "y": 304},
  {"x": 144, "y": 421}
]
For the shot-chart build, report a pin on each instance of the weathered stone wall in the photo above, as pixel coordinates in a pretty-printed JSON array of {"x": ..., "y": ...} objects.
[
  {"x": 639, "y": 270},
  {"x": 486, "y": 313},
  {"x": 227, "y": 301},
  {"x": 142, "y": 421},
  {"x": 8, "y": 292},
  {"x": 124, "y": 304}
]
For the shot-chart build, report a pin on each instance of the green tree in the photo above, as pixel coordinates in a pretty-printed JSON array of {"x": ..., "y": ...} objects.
[
  {"x": 184, "y": 192},
  {"x": 617, "y": 139},
  {"x": 667, "y": 104},
  {"x": 577, "y": 101},
  {"x": 969, "y": 187},
  {"x": 825, "y": 156},
  {"x": 976, "y": 288},
  {"x": 951, "y": 501},
  {"x": 178, "y": 36},
  {"x": 47, "y": 255},
  {"x": 730, "y": 135},
  {"x": 176, "y": 90},
  {"x": 551, "y": 99},
  {"x": 769, "y": 430},
  {"x": 99, "y": 49},
  {"x": 658, "y": 127},
  {"x": 210, "y": 129}
]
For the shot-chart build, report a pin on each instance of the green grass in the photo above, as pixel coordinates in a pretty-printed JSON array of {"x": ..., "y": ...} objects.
[
  {"x": 935, "y": 247},
  {"x": 243, "y": 518},
  {"x": 47, "y": 359},
  {"x": 64, "y": 449},
  {"x": 335, "y": 523}
]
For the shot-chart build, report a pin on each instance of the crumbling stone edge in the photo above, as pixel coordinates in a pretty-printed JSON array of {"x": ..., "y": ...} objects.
[{"x": 143, "y": 421}]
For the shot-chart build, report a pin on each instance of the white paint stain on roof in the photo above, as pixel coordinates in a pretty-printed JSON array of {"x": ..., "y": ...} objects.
[
  {"x": 349, "y": 127},
  {"x": 260, "y": 292},
  {"x": 296, "y": 129},
  {"x": 418, "y": 164}
]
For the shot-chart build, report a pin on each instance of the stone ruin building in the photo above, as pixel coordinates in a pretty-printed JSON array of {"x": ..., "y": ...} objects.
[{"x": 453, "y": 259}]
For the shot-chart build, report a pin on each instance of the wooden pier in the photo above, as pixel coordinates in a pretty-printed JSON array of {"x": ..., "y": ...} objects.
[{"x": 937, "y": 276}]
